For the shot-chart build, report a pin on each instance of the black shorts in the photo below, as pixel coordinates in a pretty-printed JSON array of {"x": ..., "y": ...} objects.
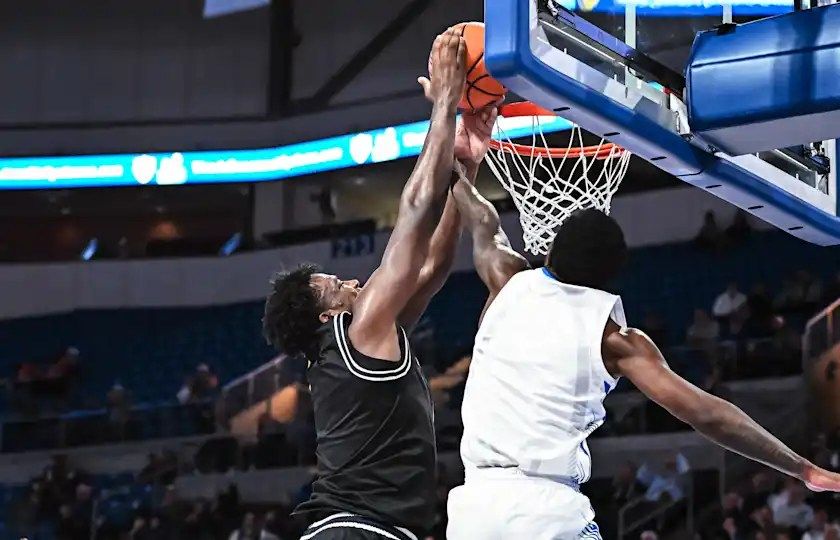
[{"x": 346, "y": 526}]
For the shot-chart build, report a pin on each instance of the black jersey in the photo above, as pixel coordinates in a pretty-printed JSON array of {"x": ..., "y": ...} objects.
[{"x": 375, "y": 428}]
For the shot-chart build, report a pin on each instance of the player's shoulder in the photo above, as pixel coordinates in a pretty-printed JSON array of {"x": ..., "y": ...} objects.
[{"x": 622, "y": 342}]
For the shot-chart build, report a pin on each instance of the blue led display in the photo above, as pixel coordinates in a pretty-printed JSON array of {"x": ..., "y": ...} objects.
[{"x": 176, "y": 168}]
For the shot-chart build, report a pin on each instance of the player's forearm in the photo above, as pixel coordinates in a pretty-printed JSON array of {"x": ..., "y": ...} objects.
[
  {"x": 439, "y": 261},
  {"x": 429, "y": 180},
  {"x": 730, "y": 427},
  {"x": 495, "y": 260},
  {"x": 447, "y": 235},
  {"x": 478, "y": 214}
]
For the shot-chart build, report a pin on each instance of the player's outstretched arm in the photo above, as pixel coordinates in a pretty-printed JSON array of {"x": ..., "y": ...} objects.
[
  {"x": 392, "y": 285},
  {"x": 472, "y": 135},
  {"x": 631, "y": 353},
  {"x": 495, "y": 260}
]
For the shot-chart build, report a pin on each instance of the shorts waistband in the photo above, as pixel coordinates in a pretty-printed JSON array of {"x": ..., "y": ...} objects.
[
  {"x": 512, "y": 473},
  {"x": 347, "y": 520}
]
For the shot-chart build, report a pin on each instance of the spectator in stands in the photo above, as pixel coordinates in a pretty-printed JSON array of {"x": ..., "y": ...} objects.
[
  {"x": 625, "y": 486},
  {"x": 665, "y": 485},
  {"x": 441, "y": 386},
  {"x": 649, "y": 535},
  {"x": 761, "y": 308},
  {"x": 69, "y": 527},
  {"x": 813, "y": 288},
  {"x": 118, "y": 403},
  {"x": 819, "y": 524},
  {"x": 709, "y": 236},
  {"x": 199, "y": 386},
  {"x": 800, "y": 294},
  {"x": 761, "y": 487},
  {"x": 252, "y": 529},
  {"x": 704, "y": 331},
  {"x": 761, "y": 521},
  {"x": 723, "y": 523},
  {"x": 740, "y": 228},
  {"x": 728, "y": 302},
  {"x": 196, "y": 524},
  {"x": 790, "y": 509}
]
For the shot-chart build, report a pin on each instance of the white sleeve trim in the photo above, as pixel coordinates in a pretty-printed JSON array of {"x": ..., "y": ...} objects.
[{"x": 377, "y": 375}]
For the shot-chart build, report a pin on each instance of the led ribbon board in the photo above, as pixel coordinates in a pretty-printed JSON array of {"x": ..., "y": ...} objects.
[{"x": 225, "y": 166}]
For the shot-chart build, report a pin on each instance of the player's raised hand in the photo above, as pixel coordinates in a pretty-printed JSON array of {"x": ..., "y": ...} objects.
[
  {"x": 447, "y": 70},
  {"x": 473, "y": 133},
  {"x": 817, "y": 479}
]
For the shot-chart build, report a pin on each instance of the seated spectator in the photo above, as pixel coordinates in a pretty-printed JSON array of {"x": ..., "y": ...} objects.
[
  {"x": 251, "y": 529},
  {"x": 709, "y": 236},
  {"x": 790, "y": 509},
  {"x": 740, "y": 228},
  {"x": 800, "y": 294},
  {"x": 761, "y": 487},
  {"x": 761, "y": 307},
  {"x": 728, "y": 302},
  {"x": 819, "y": 524},
  {"x": 118, "y": 403},
  {"x": 704, "y": 331},
  {"x": 441, "y": 386},
  {"x": 198, "y": 386},
  {"x": 625, "y": 486},
  {"x": 667, "y": 485},
  {"x": 813, "y": 288},
  {"x": 762, "y": 522}
]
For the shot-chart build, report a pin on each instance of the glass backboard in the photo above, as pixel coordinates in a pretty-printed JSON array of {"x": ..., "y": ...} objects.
[{"x": 617, "y": 69}]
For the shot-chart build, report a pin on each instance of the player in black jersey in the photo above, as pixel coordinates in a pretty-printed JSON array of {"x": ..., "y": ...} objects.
[{"x": 373, "y": 411}]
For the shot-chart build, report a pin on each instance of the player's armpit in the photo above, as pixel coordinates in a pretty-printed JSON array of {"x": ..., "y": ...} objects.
[{"x": 632, "y": 354}]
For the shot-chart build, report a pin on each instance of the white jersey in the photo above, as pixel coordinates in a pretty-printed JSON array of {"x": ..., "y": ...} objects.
[{"x": 537, "y": 380}]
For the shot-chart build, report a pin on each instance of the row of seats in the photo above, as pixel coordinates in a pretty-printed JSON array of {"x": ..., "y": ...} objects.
[{"x": 150, "y": 351}]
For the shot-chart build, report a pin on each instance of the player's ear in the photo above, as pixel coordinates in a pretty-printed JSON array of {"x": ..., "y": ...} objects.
[{"x": 324, "y": 316}]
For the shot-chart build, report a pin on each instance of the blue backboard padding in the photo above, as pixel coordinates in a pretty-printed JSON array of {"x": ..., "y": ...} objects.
[
  {"x": 509, "y": 58},
  {"x": 767, "y": 84},
  {"x": 681, "y": 8}
]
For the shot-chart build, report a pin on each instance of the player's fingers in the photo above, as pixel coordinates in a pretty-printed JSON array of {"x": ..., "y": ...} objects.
[
  {"x": 492, "y": 115},
  {"x": 462, "y": 52},
  {"x": 452, "y": 42},
  {"x": 436, "y": 47}
]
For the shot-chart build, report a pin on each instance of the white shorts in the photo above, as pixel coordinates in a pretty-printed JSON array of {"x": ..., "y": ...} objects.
[{"x": 505, "y": 504}]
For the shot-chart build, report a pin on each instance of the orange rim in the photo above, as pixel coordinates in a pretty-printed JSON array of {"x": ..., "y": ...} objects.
[{"x": 526, "y": 108}]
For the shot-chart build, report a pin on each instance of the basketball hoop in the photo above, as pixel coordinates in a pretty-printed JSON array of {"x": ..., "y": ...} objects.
[{"x": 548, "y": 184}]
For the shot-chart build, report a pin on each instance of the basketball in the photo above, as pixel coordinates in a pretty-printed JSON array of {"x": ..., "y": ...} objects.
[{"x": 481, "y": 89}]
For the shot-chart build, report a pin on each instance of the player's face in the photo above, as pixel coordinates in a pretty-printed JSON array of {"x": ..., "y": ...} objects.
[{"x": 336, "y": 295}]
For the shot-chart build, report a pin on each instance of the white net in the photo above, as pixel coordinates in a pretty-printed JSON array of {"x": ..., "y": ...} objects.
[{"x": 547, "y": 185}]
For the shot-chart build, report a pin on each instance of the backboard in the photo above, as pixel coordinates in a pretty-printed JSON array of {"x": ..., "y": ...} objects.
[{"x": 617, "y": 68}]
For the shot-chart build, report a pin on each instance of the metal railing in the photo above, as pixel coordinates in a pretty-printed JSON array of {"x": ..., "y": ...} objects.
[
  {"x": 822, "y": 332},
  {"x": 625, "y": 527},
  {"x": 252, "y": 388}
]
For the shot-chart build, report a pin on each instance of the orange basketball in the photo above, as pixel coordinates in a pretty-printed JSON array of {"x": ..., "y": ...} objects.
[{"x": 481, "y": 89}]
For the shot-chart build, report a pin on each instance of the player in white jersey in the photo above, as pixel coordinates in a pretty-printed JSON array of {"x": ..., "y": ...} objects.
[{"x": 551, "y": 345}]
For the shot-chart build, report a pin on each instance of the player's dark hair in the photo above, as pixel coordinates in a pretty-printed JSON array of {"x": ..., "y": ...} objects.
[
  {"x": 291, "y": 314},
  {"x": 588, "y": 250}
]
